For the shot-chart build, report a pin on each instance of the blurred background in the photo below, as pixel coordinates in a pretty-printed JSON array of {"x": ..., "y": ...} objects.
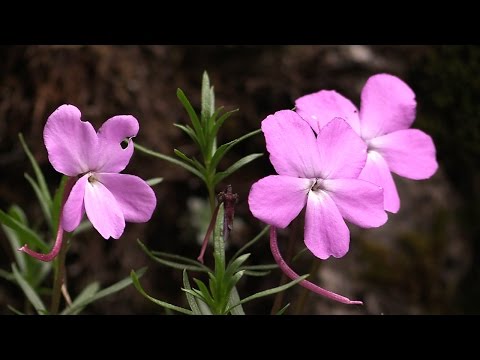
[{"x": 423, "y": 261}]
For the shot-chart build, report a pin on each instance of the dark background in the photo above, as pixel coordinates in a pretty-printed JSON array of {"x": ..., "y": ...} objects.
[{"x": 423, "y": 261}]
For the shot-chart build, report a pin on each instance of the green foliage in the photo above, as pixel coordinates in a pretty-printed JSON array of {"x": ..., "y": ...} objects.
[
  {"x": 219, "y": 296},
  {"x": 203, "y": 131}
]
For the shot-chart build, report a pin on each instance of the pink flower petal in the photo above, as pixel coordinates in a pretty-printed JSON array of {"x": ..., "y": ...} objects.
[
  {"x": 118, "y": 128},
  {"x": 103, "y": 211},
  {"x": 291, "y": 144},
  {"x": 326, "y": 233},
  {"x": 342, "y": 153},
  {"x": 321, "y": 107},
  {"x": 71, "y": 143},
  {"x": 111, "y": 156},
  {"x": 277, "y": 200},
  {"x": 360, "y": 202},
  {"x": 377, "y": 172},
  {"x": 134, "y": 196},
  {"x": 74, "y": 208},
  {"x": 409, "y": 153},
  {"x": 388, "y": 104}
]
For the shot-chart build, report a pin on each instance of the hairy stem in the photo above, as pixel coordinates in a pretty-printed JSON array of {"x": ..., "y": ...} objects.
[
  {"x": 59, "y": 239},
  {"x": 208, "y": 234},
  {"x": 305, "y": 283},
  {"x": 278, "y": 302}
]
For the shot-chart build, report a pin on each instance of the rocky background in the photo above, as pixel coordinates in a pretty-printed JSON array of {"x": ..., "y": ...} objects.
[{"x": 423, "y": 261}]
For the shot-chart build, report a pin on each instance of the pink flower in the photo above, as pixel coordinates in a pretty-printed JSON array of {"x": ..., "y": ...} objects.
[
  {"x": 319, "y": 172},
  {"x": 386, "y": 114},
  {"x": 107, "y": 197}
]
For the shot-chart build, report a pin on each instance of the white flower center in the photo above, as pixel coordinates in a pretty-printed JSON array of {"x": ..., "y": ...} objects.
[
  {"x": 91, "y": 178},
  {"x": 318, "y": 185}
]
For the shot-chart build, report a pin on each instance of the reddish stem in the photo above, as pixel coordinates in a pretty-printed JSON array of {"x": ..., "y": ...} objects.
[
  {"x": 207, "y": 235},
  {"x": 59, "y": 240},
  {"x": 305, "y": 283}
]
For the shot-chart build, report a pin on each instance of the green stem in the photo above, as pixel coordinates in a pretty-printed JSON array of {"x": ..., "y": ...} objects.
[
  {"x": 58, "y": 279},
  {"x": 211, "y": 198}
]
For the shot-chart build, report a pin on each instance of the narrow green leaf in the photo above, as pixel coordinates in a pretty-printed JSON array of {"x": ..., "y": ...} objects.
[
  {"x": 204, "y": 291},
  {"x": 178, "y": 266},
  {"x": 87, "y": 293},
  {"x": 270, "y": 291},
  {"x": 207, "y": 101},
  {"x": 40, "y": 196},
  {"x": 197, "y": 294},
  {"x": 13, "y": 239},
  {"x": 260, "y": 267},
  {"x": 218, "y": 238},
  {"x": 223, "y": 149},
  {"x": 164, "y": 304},
  {"x": 7, "y": 276},
  {"x": 190, "y": 298},
  {"x": 282, "y": 310},
  {"x": 24, "y": 233},
  {"x": 29, "y": 291},
  {"x": 234, "y": 299},
  {"x": 17, "y": 213},
  {"x": 211, "y": 138},
  {"x": 236, "y": 278},
  {"x": 256, "y": 272},
  {"x": 15, "y": 311},
  {"x": 57, "y": 204},
  {"x": 193, "y": 117},
  {"x": 188, "y": 264},
  {"x": 180, "y": 259},
  {"x": 242, "y": 162},
  {"x": 250, "y": 243},
  {"x": 193, "y": 162},
  {"x": 300, "y": 254},
  {"x": 122, "y": 284},
  {"x": 38, "y": 173},
  {"x": 84, "y": 226},
  {"x": 154, "y": 181},
  {"x": 33, "y": 270},
  {"x": 204, "y": 307},
  {"x": 212, "y": 100},
  {"x": 45, "y": 269},
  {"x": 171, "y": 160},
  {"x": 190, "y": 132},
  {"x": 213, "y": 118},
  {"x": 235, "y": 264},
  {"x": 220, "y": 121},
  {"x": 184, "y": 157}
]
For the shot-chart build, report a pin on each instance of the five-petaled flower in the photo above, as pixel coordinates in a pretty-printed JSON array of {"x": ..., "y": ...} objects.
[
  {"x": 387, "y": 111},
  {"x": 107, "y": 197},
  {"x": 319, "y": 172}
]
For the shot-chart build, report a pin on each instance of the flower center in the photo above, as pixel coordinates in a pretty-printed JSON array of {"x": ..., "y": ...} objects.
[
  {"x": 370, "y": 147},
  {"x": 318, "y": 185},
  {"x": 91, "y": 178}
]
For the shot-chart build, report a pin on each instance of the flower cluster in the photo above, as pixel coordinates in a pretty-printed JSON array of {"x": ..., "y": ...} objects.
[
  {"x": 337, "y": 162},
  {"x": 332, "y": 160}
]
